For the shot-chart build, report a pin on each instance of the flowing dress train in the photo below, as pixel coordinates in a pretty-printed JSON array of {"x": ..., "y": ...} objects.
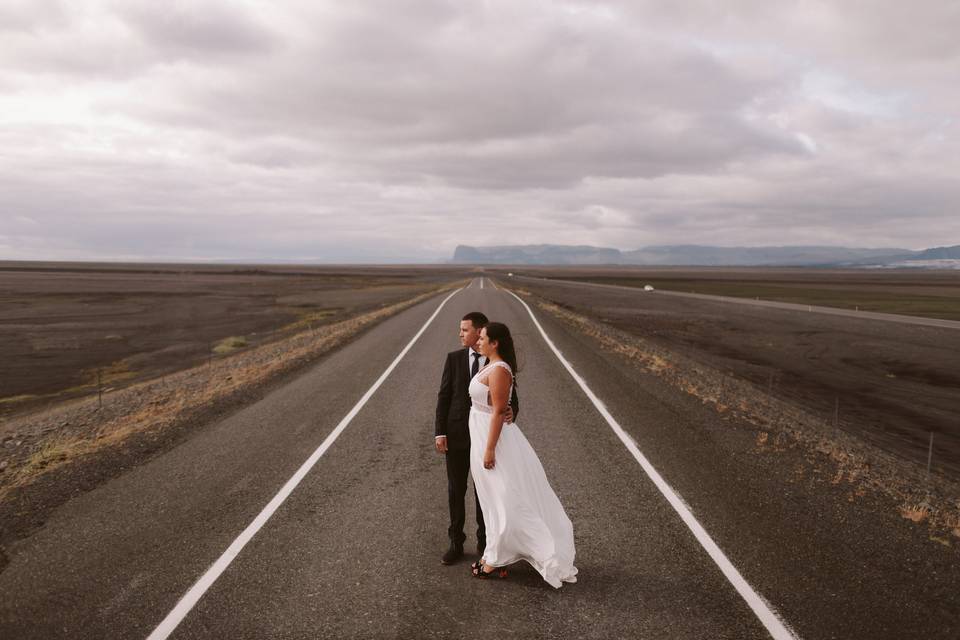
[{"x": 524, "y": 518}]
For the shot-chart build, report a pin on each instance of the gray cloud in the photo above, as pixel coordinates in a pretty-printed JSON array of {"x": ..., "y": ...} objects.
[
  {"x": 194, "y": 31},
  {"x": 30, "y": 15},
  {"x": 390, "y": 129}
]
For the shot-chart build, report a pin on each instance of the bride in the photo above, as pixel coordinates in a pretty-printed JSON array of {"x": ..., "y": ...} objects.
[{"x": 524, "y": 518}]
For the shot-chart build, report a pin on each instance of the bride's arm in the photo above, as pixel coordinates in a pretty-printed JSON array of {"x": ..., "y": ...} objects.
[{"x": 499, "y": 381}]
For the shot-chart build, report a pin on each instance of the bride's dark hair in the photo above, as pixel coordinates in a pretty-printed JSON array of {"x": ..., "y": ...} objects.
[{"x": 498, "y": 332}]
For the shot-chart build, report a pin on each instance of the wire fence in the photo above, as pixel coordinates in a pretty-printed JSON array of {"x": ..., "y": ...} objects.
[{"x": 912, "y": 423}]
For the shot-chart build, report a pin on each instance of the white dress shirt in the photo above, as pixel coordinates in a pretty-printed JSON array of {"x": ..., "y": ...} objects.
[{"x": 470, "y": 352}]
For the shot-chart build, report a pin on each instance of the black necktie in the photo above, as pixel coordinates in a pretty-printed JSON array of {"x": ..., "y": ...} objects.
[{"x": 476, "y": 364}]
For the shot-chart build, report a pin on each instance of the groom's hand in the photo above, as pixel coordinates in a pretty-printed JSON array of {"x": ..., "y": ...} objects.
[
  {"x": 508, "y": 416},
  {"x": 441, "y": 444}
]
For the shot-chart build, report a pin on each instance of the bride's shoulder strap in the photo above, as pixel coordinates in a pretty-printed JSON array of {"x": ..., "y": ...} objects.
[{"x": 505, "y": 366}]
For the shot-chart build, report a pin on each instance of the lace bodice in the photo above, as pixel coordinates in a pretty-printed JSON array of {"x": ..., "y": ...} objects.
[{"x": 480, "y": 391}]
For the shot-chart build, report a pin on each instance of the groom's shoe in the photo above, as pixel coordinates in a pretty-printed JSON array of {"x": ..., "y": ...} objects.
[{"x": 454, "y": 553}]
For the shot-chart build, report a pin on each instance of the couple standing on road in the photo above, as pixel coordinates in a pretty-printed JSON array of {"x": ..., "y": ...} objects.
[{"x": 518, "y": 515}]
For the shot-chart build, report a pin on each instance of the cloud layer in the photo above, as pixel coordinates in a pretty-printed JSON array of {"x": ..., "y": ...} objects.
[{"x": 399, "y": 129}]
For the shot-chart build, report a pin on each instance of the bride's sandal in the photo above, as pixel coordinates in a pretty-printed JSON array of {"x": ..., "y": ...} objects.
[{"x": 478, "y": 572}]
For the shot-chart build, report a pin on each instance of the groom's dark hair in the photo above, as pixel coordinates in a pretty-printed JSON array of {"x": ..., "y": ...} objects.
[{"x": 478, "y": 319}]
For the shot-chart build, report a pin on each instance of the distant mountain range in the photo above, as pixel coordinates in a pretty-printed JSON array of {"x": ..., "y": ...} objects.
[{"x": 704, "y": 256}]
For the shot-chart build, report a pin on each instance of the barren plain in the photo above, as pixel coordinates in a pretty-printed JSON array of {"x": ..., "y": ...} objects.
[
  {"x": 62, "y": 322},
  {"x": 893, "y": 385},
  {"x": 131, "y": 501},
  {"x": 919, "y": 292},
  {"x": 173, "y": 346}
]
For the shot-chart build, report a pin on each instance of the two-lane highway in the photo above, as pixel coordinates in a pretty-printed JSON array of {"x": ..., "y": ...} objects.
[
  {"x": 356, "y": 549},
  {"x": 353, "y": 549}
]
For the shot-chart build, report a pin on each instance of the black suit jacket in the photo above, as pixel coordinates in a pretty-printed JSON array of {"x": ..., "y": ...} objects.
[{"x": 453, "y": 401}]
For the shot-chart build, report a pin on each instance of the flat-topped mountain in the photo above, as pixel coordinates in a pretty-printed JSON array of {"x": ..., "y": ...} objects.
[
  {"x": 698, "y": 255},
  {"x": 537, "y": 254},
  {"x": 938, "y": 253}
]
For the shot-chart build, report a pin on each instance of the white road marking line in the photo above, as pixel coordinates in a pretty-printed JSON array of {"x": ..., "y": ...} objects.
[
  {"x": 481, "y": 283},
  {"x": 763, "y": 610},
  {"x": 190, "y": 599}
]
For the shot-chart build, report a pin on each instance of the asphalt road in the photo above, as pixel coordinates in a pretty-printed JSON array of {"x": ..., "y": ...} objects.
[
  {"x": 790, "y": 306},
  {"x": 354, "y": 550}
]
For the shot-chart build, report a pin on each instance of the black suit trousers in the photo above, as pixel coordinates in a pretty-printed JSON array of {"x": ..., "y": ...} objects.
[{"x": 458, "y": 468}]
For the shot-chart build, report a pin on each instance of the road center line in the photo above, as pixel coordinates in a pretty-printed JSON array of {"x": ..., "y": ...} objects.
[
  {"x": 190, "y": 599},
  {"x": 761, "y": 608}
]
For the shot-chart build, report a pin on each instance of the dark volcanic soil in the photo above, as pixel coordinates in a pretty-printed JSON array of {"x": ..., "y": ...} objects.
[
  {"x": 61, "y": 322},
  {"x": 919, "y": 292},
  {"x": 891, "y": 384},
  {"x": 48, "y": 457}
]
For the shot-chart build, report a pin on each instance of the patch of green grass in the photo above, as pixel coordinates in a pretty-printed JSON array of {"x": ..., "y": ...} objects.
[
  {"x": 308, "y": 319},
  {"x": 114, "y": 372},
  {"x": 15, "y": 399},
  {"x": 228, "y": 345}
]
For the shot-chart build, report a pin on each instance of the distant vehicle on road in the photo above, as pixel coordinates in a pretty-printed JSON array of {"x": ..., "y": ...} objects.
[
  {"x": 510, "y": 274},
  {"x": 648, "y": 287}
]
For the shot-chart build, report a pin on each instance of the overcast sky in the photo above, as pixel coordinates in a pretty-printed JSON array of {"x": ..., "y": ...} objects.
[{"x": 395, "y": 130}]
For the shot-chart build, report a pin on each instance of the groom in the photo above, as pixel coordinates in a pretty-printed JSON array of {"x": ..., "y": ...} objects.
[{"x": 453, "y": 432}]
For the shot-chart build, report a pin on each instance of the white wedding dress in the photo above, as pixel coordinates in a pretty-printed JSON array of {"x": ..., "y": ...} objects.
[{"x": 523, "y": 517}]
